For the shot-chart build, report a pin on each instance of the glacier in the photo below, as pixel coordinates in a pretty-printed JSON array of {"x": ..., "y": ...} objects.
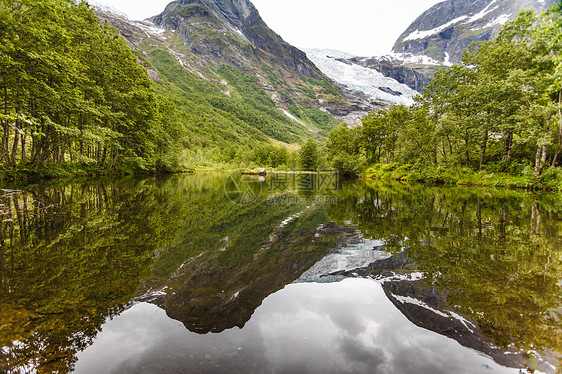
[{"x": 334, "y": 64}]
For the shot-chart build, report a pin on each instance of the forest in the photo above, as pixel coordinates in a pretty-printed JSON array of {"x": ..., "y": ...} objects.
[
  {"x": 499, "y": 111},
  {"x": 73, "y": 92}
]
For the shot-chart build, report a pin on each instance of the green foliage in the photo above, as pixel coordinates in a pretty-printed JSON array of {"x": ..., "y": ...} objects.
[
  {"x": 74, "y": 253},
  {"x": 322, "y": 120},
  {"x": 270, "y": 155},
  {"x": 191, "y": 10},
  {"x": 327, "y": 86},
  {"x": 308, "y": 155},
  {"x": 265, "y": 116},
  {"x": 496, "y": 253},
  {"x": 73, "y": 92},
  {"x": 221, "y": 130},
  {"x": 455, "y": 176},
  {"x": 271, "y": 75},
  {"x": 499, "y": 111},
  {"x": 344, "y": 150},
  {"x": 76, "y": 100}
]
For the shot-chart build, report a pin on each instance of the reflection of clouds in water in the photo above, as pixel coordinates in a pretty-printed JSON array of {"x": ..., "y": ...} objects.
[
  {"x": 126, "y": 338},
  {"x": 361, "y": 358},
  {"x": 346, "y": 327},
  {"x": 359, "y": 331}
]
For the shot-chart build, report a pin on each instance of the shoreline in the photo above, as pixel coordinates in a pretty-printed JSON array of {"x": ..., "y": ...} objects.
[{"x": 468, "y": 178}]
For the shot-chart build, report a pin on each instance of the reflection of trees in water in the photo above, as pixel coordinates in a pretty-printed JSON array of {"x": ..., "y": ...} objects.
[
  {"x": 498, "y": 252},
  {"x": 72, "y": 255},
  {"x": 67, "y": 261}
]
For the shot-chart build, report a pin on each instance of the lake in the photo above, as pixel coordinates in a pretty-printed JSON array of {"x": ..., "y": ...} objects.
[{"x": 289, "y": 273}]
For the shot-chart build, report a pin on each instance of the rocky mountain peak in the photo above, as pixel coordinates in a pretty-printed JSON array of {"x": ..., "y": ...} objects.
[
  {"x": 235, "y": 13},
  {"x": 207, "y": 26},
  {"x": 447, "y": 28}
]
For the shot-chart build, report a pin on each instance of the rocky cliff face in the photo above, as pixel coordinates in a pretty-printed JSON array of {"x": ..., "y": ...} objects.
[
  {"x": 204, "y": 35},
  {"x": 438, "y": 37},
  {"x": 224, "y": 30},
  {"x": 386, "y": 80},
  {"x": 415, "y": 76},
  {"x": 443, "y": 31}
]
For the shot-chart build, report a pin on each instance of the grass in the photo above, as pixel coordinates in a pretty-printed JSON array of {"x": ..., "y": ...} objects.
[{"x": 550, "y": 180}]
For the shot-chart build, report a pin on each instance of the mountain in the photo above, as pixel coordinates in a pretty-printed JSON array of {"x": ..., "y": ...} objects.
[
  {"x": 221, "y": 54},
  {"x": 233, "y": 32},
  {"x": 435, "y": 39},
  {"x": 393, "y": 78},
  {"x": 443, "y": 31},
  {"x": 356, "y": 74}
]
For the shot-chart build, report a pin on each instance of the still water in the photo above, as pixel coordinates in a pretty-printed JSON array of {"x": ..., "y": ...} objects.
[{"x": 214, "y": 273}]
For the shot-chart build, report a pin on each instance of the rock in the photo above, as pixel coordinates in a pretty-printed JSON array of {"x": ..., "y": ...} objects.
[
  {"x": 446, "y": 29},
  {"x": 390, "y": 91},
  {"x": 415, "y": 76},
  {"x": 231, "y": 32}
]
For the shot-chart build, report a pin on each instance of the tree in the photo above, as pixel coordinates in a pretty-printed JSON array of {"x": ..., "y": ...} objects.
[
  {"x": 496, "y": 110},
  {"x": 71, "y": 90},
  {"x": 344, "y": 149},
  {"x": 308, "y": 155}
]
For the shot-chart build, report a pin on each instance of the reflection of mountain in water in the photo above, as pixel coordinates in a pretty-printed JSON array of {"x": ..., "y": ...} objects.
[
  {"x": 221, "y": 289},
  {"x": 213, "y": 297},
  {"x": 355, "y": 252},
  {"x": 427, "y": 307},
  {"x": 482, "y": 268}
]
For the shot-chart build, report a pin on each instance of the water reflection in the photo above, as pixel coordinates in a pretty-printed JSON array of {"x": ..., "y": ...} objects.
[
  {"x": 497, "y": 253},
  {"x": 346, "y": 327},
  {"x": 176, "y": 274}
]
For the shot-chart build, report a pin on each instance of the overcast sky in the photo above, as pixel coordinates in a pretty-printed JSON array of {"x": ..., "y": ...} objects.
[{"x": 360, "y": 27}]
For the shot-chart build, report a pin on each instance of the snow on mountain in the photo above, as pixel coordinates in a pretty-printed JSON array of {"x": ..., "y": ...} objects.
[
  {"x": 422, "y": 34},
  {"x": 336, "y": 65},
  {"x": 107, "y": 8},
  {"x": 450, "y": 26},
  {"x": 410, "y": 59}
]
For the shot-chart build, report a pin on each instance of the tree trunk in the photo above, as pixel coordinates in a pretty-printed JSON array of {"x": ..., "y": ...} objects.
[
  {"x": 5, "y": 125},
  {"x": 508, "y": 146},
  {"x": 467, "y": 152},
  {"x": 23, "y": 155},
  {"x": 15, "y": 145},
  {"x": 559, "y": 131},
  {"x": 542, "y": 150},
  {"x": 484, "y": 146},
  {"x": 538, "y": 162}
]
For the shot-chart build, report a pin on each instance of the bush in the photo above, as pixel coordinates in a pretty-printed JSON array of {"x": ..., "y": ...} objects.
[
  {"x": 348, "y": 165},
  {"x": 552, "y": 178}
]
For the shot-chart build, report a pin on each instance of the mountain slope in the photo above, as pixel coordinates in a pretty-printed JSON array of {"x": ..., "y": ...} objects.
[
  {"x": 443, "y": 31},
  {"x": 437, "y": 38},
  {"x": 233, "y": 63},
  {"x": 233, "y": 32}
]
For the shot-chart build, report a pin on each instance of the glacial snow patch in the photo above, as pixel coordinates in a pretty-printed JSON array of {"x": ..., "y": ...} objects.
[{"x": 359, "y": 78}]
